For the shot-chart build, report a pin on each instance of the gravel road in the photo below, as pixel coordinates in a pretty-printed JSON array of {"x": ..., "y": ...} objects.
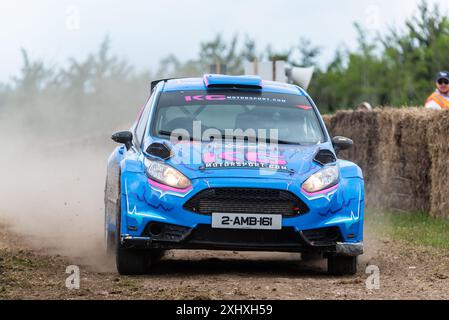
[{"x": 406, "y": 272}]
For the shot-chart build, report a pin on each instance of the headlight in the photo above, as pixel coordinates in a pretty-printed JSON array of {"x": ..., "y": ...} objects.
[
  {"x": 165, "y": 174},
  {"x": 323, "y": 179}
]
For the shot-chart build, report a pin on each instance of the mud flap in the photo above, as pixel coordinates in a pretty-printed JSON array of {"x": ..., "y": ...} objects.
[{"x": 349, "y": 249}]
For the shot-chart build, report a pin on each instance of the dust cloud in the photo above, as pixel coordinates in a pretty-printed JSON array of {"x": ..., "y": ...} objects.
[{"x": 52, "y": 186}]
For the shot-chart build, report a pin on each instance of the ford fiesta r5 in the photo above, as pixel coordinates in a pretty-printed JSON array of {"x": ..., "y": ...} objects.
[{"x": 231, "y": 163}]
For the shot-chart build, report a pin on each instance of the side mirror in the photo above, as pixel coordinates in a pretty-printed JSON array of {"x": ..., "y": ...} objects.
[
  {"x": 342, "y": 143},
  {"x": 124, "y": 137}
]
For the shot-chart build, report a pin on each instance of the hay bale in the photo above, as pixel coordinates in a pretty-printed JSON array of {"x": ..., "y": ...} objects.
[
  {"x": 362, "y": 128},
  {"x": 327, "y": 120},
  {"x": 439, "y": 150},
  {"x": 390, "y": 145},
  {"x": 404, "y": 166},
  {"x": 378, "y": 187}
]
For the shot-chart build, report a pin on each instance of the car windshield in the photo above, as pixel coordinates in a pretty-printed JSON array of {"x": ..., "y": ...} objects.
[{"x": 204, "y": 115}]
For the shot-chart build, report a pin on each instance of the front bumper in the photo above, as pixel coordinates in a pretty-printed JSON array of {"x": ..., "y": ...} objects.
[
  {"x": 203, "y": 237},
  {"x": 144, "y": 205}
]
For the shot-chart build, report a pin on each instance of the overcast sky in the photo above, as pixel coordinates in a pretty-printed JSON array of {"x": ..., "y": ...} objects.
[{"x": 144, "y": 31}]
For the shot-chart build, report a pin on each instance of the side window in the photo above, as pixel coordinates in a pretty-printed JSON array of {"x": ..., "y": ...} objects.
[{"x": 140, "y": 129}]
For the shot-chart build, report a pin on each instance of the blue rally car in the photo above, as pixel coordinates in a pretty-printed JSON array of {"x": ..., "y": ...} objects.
[{"x": 232, "y": 163}]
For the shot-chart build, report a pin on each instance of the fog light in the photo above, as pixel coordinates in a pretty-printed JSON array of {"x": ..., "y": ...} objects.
[{"x": 155, "y": 229}]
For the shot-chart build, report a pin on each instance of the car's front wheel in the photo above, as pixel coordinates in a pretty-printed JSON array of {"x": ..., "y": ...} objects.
[
  {"x": 341, "y": 265},
  {"x": 311, "y": 257},
  {"x": 132, "y": 262}
]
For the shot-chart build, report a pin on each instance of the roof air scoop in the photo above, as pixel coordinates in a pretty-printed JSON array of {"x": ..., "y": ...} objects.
[
  {"x": 324, "y": 157},
  {"x": 217, "y": 81}
]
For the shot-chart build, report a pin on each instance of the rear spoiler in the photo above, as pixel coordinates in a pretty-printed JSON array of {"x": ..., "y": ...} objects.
[{"x": 156, "y": 82}]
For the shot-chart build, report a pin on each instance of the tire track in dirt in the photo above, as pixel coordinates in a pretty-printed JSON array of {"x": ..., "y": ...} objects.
[{"x": 407, "y": 272}]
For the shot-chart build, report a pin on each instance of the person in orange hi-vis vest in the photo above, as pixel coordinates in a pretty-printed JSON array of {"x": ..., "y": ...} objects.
[{"x": 439, "y": 100}]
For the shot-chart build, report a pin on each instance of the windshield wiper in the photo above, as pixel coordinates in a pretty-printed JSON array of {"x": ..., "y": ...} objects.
[
  {"x": 224, "y": 138},
  {"x": 268, "y": 141},
  {"x": 287, "y": 142},
  {"x": 170, "y": 133}
]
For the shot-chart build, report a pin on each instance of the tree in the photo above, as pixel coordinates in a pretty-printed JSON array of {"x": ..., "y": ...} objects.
[
  {"x": 34, "y": 75},
  {"x": 396, "y": 68},
  {"x": 308, "y": 52},
  {"x": 218, "y": 51}
]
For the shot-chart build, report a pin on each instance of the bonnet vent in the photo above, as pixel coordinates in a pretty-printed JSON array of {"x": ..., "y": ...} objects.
[
  {"x": 160, "y": 150},
  {"x": 324, "y": 157}
]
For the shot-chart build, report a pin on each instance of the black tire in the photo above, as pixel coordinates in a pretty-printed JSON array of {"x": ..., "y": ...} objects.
[
  {"x": 310, "y": 257},
  {"x": 111, "y": 237},
  {"x": 342, "y": 266},
  {"x": 128, "y": 262},
  {"x": 132, "y": 262},
  {"x": 156, "y": 255},
  {"x": 110, "y": 244}
]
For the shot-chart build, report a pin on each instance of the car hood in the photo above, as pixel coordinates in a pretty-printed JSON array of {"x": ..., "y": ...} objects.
[{"x": 205, "y": 160}]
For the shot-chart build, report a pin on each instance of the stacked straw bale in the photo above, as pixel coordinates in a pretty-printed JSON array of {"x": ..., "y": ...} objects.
[
  {"x": 403, "y": 153},
  {"x": 438, "y": 140}
]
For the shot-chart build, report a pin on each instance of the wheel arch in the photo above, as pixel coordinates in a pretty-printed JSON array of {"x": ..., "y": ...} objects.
[{"x": 112, "y": 192}]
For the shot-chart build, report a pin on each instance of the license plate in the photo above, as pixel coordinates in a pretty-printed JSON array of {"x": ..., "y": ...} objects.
[{"x": 246, "y": 221}]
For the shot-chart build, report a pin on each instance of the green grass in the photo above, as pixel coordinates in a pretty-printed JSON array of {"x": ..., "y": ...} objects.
[{"x": 414, "y": 227}]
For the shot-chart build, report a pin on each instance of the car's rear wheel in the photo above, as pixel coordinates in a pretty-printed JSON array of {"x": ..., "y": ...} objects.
[
  {"x": 112, "y": 209},
  {"x": 110, "y": 244},
  {"x": 112, "y": 237},
  {"x": 341, "y": 265}
]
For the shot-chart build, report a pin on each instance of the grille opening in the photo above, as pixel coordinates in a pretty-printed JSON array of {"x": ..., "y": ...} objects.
[
  {"x": 286, "y": 236},
  {"x": 165, "y": 232},
  {"x": 246, "y": 201}
]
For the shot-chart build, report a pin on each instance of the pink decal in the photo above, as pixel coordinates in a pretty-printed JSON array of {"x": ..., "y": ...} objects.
[
  {"x": 196, "y": 98},
  {"x": 326, "y": 191},
  {"x": 304, "y": 107},
  {"x": 264, "y": 158},
  {"x": 167, "y": 188},
  {"x": 212, "y": 97},
  {"x": 216, "y": 97},
  {"x": 209, "y": 157},
  {"x": 252, "y": 156},
  {"x": 232, "y": 156}
]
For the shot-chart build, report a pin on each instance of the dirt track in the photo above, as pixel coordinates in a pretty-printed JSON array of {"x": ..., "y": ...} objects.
[{"x": 406, "y": 273}]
